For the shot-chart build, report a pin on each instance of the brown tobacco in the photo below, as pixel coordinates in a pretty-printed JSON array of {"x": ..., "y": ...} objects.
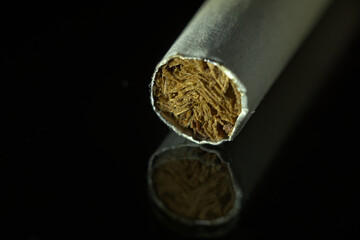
[{"x": 197, "y": 95}]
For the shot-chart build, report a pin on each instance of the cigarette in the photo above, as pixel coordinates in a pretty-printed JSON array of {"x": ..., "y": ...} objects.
[
  {"x": 219, "y": 69},
  {"x": 252, "y": 153}
]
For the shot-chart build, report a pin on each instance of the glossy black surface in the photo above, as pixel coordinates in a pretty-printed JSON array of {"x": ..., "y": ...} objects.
[{"x": 78, "y": 130}]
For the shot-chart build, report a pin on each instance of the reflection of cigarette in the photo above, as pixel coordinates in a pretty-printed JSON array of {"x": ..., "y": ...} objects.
[
  {"x": 193, "y": 185},
  {"x": 193, "y": 188},
  {"x": 225, "y": 61}
]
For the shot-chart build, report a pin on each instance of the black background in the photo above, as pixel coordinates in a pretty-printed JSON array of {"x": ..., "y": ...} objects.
[{"x": 77, "y": 129}]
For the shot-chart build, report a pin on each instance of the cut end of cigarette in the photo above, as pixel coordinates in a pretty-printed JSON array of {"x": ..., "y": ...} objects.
[{"x": 198, "y": 98}]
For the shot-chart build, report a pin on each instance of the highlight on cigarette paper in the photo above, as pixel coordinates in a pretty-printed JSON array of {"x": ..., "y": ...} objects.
[{"x": 198, "y": 98}]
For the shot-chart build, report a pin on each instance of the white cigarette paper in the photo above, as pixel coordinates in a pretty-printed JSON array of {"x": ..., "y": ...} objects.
[{"x": 218, "y": 70}]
